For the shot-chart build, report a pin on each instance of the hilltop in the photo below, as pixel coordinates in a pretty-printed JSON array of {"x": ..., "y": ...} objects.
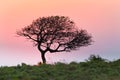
[{"x": 95, "y": 68}]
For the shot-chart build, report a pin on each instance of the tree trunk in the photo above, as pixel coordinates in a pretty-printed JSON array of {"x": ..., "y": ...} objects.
[
  {"x": 42, "y": 54},
  {"x": 43, "y": 57}
]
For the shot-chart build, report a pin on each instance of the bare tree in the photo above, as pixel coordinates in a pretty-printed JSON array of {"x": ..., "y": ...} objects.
[{"x": 55, "y": 34}]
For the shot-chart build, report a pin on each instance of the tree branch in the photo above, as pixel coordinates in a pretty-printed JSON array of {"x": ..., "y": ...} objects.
[
  {"x": 57, "y": 49},
  {"x": 30, "y": 37}
]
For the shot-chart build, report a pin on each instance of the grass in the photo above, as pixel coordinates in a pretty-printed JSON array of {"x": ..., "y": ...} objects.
[{"x": 95, "y": 68}]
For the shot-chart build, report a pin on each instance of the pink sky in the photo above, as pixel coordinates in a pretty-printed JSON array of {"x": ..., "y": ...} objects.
[{"x": 101, "y": 18}]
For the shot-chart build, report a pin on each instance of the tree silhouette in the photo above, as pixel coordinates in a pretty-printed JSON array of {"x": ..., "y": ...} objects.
[{"x": 55, "y": 34}]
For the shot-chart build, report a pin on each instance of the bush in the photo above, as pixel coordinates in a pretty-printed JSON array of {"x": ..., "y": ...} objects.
[{"x": 95, "y": 68}]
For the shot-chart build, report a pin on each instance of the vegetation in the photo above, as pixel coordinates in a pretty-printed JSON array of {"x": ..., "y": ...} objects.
[
  {"x": 95, "y": 68},
  {"x": 55, "y": 34}
]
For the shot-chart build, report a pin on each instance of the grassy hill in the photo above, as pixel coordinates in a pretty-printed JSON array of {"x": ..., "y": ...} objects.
[{"x": 95, "y": 68}]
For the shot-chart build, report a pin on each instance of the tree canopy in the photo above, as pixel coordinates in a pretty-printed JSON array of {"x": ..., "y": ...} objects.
[{"x": 55, "y": 34}]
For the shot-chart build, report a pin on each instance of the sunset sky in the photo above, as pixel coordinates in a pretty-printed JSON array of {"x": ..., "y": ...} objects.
[{"x": 101, "y": 18}]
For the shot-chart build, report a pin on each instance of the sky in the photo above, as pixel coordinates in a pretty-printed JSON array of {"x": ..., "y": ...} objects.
[{"x": 101, "y": 18}]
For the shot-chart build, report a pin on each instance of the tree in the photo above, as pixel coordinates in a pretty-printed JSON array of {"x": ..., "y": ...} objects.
[
  {"x": 96, "y": 58},
  {"x": 55, "y": 34}
]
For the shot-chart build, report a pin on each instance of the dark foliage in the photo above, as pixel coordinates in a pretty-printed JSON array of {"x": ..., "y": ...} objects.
[
  {"x": 89, "y": 70},
  {"x": 55, "y": 34}
]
